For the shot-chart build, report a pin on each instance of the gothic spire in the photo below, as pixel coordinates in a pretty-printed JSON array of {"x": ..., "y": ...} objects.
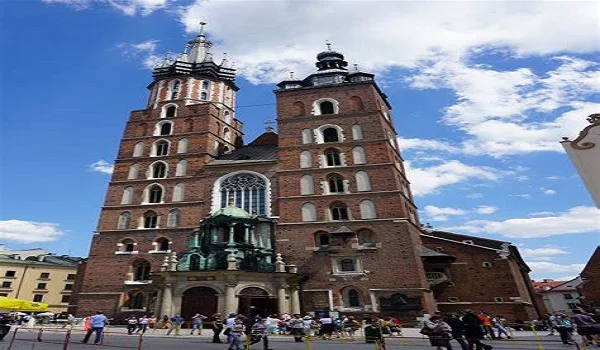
[{"x": 199, "y": 47}]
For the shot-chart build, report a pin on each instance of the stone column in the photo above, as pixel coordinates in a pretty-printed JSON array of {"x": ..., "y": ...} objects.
[
  {"x": 167, "y": 301},
  {"x": 230, "y": 301},
  {"x": 231, "y": 236},
  {"x": 247, "y": 234},
  {"x": 295, "y": 300},
  {"x": 157, "y": 306},
  {"x": 281, "y": 302}
]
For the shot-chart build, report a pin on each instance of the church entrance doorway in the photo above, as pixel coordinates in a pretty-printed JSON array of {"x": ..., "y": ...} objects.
[
  {"x": 255, "y": 301},
  {"x": 198, "y": 300}
]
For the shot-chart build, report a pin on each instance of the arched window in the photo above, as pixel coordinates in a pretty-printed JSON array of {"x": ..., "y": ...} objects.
[
  {"x": 138, "y": 150},
  {"x": 356, "y": 103},
  {"x": 171, "y": 111},
  {"x": 203, "y": 96},
  {"x": 339, "y": 211},
  {"x": 351, "y": 298},
  {"x": 348, "y": 265},
  {"x": 363, "y": 182},
  {"x": 357, "y": 132},
  {"x": 307, "y": 136},
  {"x": 141, "y": 270},
  {"x": 134, "y": 171},
  {"x": 127, "y": 195},
  {"x": 305, "y": 159},
  {"x": 330, "y": 135},
  {"x": 227, "y": 134},
  {"x": 182, "y": 146},
  {"x": 205, "y": 85},
  {"x": 124, "y": 221},
  {"x": 365, "y": 237},
  {"x": 175, "y": 89},
  {"x": 174, "y": 218},
  {"x": 322, "y": 238},
  {"x": 159, "y": 170},
  {"x": 150, "y": 219},
  {"x": 161, "y": 148},
  {"x": 137, "y": 301},
  {"x": 181, "y": 168},
  {"x": 298, "y": 109},
  {"x": 306, "y": 185},
  {"x": 326, "y": 107},
  {"x": 155, "y": 193},
  {"x": 179, "y": 193},
  {"x": 165, "y": 129},
  {"x": 309, "y": 212},
  {"x": 127, "y": 245},
  {"x": 227, "y": 117},
  {"x": 367, "y": 209},
  {"x": 333, "y": 158},
  {"x": 335, "y": 183},
  {"x": 247, "y": 190},
  {"x": 358, "y": 154},
  {"x": 162, "y": 244},
  {"x": 194, "y": 262},
  {"x": 226, "y": 150}
]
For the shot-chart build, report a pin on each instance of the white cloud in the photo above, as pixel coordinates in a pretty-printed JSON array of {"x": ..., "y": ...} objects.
[
  {"x": 29, "y": 231},
  {"x": 76, "y": 4},
  {"x": 542, "y": 253},
  {"x": 555, "y": 178},
  {"x": 549, "y": 192},
  {"x": 521, "y": 195},
  {"x": 547, "y": 267},
  {"x": 575, "y": 220},
  {"x": 441, "y": 214},
  {"x": 429, "y": 180},
  {"x": 475, "y": 196},
  {"x": 486, "y": 209},
  {"x": 422, "y": 145},
  {"x": 127, "y": 7},
  {"x": 102, "y": 166},
  {"x": 542, "y": 213}
]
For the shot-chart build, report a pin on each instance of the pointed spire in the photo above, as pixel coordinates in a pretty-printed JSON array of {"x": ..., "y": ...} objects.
[
  {"x": 200, "y": 47},
  {"x": 225, "y": 62},
  {"x": 268, "y": 123},
  {"x": 202, "y": 24}
]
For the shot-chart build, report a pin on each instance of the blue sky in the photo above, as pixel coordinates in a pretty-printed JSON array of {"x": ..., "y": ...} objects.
[{"x": 481, "y": 94}]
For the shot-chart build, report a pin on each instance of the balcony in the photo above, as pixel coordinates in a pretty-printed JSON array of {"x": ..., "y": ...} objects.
[{"x": 435, "y": 278}]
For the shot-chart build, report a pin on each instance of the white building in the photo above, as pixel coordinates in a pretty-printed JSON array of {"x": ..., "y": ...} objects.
[
  {"x": 562, "y": 298},
  {"x": 584, "y": 152}
]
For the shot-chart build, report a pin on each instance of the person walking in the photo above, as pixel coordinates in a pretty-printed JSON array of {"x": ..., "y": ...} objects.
[
  {"x": 474, "y": 332},
  {"x": 132, "y": 322},
  {"x": 439, "y": 333},
  {"x": 70, "y": 322},
  {"x": 236, "y": 332},
  {"x": 143, "y": 324},
  {"x": 498, "y": 325},
  {"x": 197, "y": 321},
  {"x": 326, "y": 326},
  {"x": 217, "y": 326},
  {"x": 487, "y": 325},
  {"x": 564, "y": 326},
  {"x": 97, "y": 324},
  {"x": 297, "y": 328},
  {"x": 176, "y": 322},
  {"x": 258, "y": 332},
  {"x": 458, "y": 330}
]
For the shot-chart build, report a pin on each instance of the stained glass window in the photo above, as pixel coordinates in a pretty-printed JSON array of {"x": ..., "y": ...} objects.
[{"x": 246, "y": 191}]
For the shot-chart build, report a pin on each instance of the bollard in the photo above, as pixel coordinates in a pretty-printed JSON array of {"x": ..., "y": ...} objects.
[
  {"x": 248, "y": 342},
  {"x": 401, "y": 335},
  {"x": 67, "y": 340},
  {"x": 537, "y": 338},
  {"x": 39, "y": 336},
  {"x": 140, "y": 340},
  {"x": 12, "y": 340},
  {"x": 308, "y": 342}
]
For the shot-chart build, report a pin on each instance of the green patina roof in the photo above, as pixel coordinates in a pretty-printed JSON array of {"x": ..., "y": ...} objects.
[{"x": 232, "y": 211}]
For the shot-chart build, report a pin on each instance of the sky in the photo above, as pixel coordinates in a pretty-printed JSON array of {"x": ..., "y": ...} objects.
[{"x": 482, "y": 93}]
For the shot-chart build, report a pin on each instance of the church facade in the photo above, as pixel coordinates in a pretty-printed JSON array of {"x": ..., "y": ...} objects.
[{"x": 318, "y": 216}]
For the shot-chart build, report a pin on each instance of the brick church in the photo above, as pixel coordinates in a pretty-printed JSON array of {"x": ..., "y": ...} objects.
[{"x": 316, "y": 217}]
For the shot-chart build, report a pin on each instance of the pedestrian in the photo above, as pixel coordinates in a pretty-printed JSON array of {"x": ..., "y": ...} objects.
[
  {"x": 132, "y": 322},
  {"x": 235, "y": 334},
  {"x": 258, "y": 332},
  {"x": 197, "y": 321},
  {"x": 564, "y": 326},
  {"x": 498, "y": 325},
  {"x": 551, "y": 322},
  {"x": 326, "y": 326},
  {"x": 176, "y": 322},
  {"x": 439, "y": 332},
  {"x": 217, "y": 326},
  {"x": 487, "y": 325},
  {"x": 70, "y": 322},
  {"x": 143, "y": 324},
  {"x": 97, "y": 324},
  {"x": 297, "y": 328},
  {"x": 474, "y": 332},
  {"x": 308, "y": 325},
  {"x": 458, "y": 330},
  {"x": 586, "y": 326}
]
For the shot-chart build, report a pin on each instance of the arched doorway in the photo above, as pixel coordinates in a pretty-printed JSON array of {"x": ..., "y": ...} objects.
[
  {"x": 199, "y": 300},
  {"x": 256, "y": 301}
]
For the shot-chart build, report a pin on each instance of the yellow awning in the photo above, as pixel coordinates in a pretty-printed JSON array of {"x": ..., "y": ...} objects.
[{"x": 13, "y": 304}]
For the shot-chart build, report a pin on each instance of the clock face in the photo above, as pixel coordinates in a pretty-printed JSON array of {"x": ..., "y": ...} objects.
[{"x": 325, "y": 80}]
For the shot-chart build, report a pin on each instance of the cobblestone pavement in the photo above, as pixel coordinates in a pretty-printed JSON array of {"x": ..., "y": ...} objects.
[{"x": 116, "y": 339}]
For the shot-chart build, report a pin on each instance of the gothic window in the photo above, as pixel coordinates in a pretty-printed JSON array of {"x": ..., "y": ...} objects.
[
  {"x": 306, "y": 185},
  {"x": 194, "y": 262},
  {"x": 336, "y": 184},
  {"x": 348, "y": 265},
  {"x": 205, "y": 85},
  {"x": 134, "y": 170},
  {"x": 180, "y": 170},
  {"x": 363, "y": 182},
  {"x": 356, "y": 103},
  {"x": 298, "y": 109},
  {"x": 161, "y": 148},
  {"x": 124, "y": 220},
  {"x": 182, "y": 146},
  {"x": 154, "y": 194},
  {"x": 127, "y": 195},
  {"x": 358, "y": 153},
  {"x": 127, "y": 245},
  {"x": 309, "y": 212},
  {"x": 305, "y": 159},
  {"x": 150, "y": 219},
  {"x": 141, "y": 270},
  {"x": 330, "y": 135},
  {"x": 159, "y": 170},
  {"x": 333, "y": 158},
  {"x": 322, "y": 239},
  {"x": 137, "y": 301},
  {"x": 173, "y": 218},
  {"x": 227, "y": 117},
  {"x": 351, "y": 298},
  {"x": 247, "y": 191},
  {"x": 326, "y": 107},
  {"x": 138, "y": 150},
  {"x": 175, "y": 89},
  {"x": 365, "y": 237},
  {"x": 203, "y": 96},
  {"x": 178, "y": 193},
  {"x": 162, "y": 244},
  {"x": 165, "y": 129},
  {"x": 227, "y": 134},
  {"x": 356, "y": 132},
  {"x": 339, "y": 211},
  {"x": 367, "y": 209},
  {"x": 307, "y": 136},
  {"x": 171, "y": 111}
]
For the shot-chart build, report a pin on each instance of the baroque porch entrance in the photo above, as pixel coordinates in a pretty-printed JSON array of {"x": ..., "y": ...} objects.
[
  {"x": 254, "y": 301},
  {"x": 199, "y": 300}
]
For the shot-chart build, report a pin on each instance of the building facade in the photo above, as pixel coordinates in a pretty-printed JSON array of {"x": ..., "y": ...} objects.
[
  {"x": 318, "y": 216},
  {"x": 561, "y": 297},
  {"x": 590, "y": 286},
  {"x": 38, "y": 277}
]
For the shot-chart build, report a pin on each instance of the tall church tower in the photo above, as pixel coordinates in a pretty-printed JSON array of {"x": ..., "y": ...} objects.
[
  {"x": 347, "y": 217},
  {"x": 157, "y": 197}
]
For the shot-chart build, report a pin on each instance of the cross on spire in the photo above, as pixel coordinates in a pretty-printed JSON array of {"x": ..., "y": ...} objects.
[
  {"x": 291, "y": 75},
  {"x": 268, "y": 123},
  {"x": 202, "y": 24},
  {"x": 328, "y": 43}
]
